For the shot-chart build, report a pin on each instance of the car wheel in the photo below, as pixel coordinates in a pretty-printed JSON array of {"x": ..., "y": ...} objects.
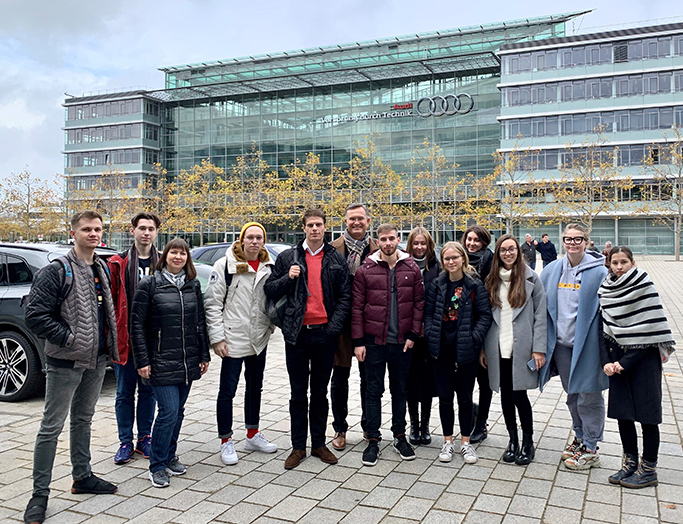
[{"x": 20, "y": 373}]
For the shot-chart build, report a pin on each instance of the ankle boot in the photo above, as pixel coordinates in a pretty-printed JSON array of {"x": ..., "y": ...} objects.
[
  {"x": 425, "y": 436},
  {"x": 629, "y": 464},
  {"x": 645, "y": 475},
  {"x": 527, "y": 453},
  {"x": 513, "y": 448},
  {"x": 414, "y": 432},
  {"x": 480, "y": 432}
]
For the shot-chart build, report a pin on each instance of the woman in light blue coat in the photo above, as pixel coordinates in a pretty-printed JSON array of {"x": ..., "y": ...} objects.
[
  {"x": 571, "y": 285},
  {"x": 515, "y": 345}
]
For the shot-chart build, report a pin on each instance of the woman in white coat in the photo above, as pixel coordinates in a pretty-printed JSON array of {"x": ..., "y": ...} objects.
[
  {"x": 239, "y": 331},
  {"x": 516, "y": 342}
]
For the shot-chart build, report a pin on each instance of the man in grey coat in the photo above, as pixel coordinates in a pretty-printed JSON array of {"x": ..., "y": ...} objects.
[{"x": 80, "y": 330}]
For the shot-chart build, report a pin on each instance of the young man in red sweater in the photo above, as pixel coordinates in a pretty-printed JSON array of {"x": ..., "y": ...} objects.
[{"x": 315, "y": 278}]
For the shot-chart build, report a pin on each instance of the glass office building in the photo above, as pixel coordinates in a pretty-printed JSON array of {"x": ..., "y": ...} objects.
[{"x": 555, "y": 93}]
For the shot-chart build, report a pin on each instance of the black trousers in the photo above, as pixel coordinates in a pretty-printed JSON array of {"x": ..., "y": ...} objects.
[
  {"x": 452, "y": 380},
  {"x": 311, "y": 358},
  {"x": 629, "y": 439},
  {"x": 485, "y": 396},
  {"x": 339, "y": 397},
  {"x": 511, "y": 399}
]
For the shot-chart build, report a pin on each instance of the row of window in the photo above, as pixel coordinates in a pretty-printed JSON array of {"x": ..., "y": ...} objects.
[
  {"x": 593, "y": 54},
  {"x": 593, "y": 88},
  {"x": 115, "y": 157},
  {"x": 85, "y": 183},
  {"x": 624, "y": 156},
  {"x": 116, "y": 108},
  {"x": 580, "y": 124},
  {"x": 110, "y": 133}
]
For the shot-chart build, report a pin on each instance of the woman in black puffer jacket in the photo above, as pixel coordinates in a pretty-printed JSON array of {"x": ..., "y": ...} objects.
[{"x": 170, "y": 346}]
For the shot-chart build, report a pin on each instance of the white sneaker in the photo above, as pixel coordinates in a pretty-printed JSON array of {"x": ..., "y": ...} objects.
[
  {"x": 447, "y": 451},
  {"x": 468, "y": 453},
  {"x": 259, "y": 443},
  {"x": 228, "y": 453}
]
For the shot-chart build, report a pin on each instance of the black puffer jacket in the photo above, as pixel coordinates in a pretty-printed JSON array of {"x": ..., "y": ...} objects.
[
  {"x": 474, "y": 318},
  {"x": 336, "y": 290},
  {"x": 168, "y": 331}
]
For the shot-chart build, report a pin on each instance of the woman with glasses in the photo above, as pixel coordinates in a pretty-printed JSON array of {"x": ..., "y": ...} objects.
[
  {"x": 476, "y": 240},
  {"x": 457, "y": 317},
  {"x": 516, "y": 343},
  {"x": 573, "y": 342}
]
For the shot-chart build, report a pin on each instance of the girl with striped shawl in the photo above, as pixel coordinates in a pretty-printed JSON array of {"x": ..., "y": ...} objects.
[{"x": 636, "y": 340}]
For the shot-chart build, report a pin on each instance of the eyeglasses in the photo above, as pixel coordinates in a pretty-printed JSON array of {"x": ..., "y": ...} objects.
[
  {"x": 452, "y": 258},
  {"x": 573, "y": 240},
  {"x": 510, "y": 251}
]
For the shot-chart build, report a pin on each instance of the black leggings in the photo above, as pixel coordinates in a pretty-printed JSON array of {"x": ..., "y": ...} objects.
[
  {"x": 629, "y": 439},
  {"x": 485, "y": 396},
  {"x": 511, "y": 399},
  {"x": 449, "y": 383}
]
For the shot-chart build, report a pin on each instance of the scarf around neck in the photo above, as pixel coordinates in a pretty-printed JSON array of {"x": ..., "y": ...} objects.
[
  {"x": 355, "y": 249},
  {"x": 177, "y": 280},
  {"x": 632, "y": 311}
]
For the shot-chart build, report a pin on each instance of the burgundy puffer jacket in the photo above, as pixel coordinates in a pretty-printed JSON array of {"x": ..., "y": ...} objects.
[{"x": 372, "y": 300}]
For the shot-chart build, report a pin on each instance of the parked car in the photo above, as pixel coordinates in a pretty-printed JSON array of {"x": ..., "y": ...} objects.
[
  {"x": 210, "y": 253},
  {"x": 22, "y": 359}
]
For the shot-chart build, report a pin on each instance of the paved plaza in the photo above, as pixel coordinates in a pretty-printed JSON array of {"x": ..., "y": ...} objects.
[{"x": 259, "y": 490}]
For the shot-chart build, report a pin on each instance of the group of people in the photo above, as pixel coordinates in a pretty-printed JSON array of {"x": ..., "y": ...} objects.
[{"x": 438, "y": 323}]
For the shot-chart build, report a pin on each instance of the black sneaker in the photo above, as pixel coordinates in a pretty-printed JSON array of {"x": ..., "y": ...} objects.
[
  {"x": 93, "y": 485},
  {"x": 371, "y": 453},
  {"x": 404, "y": 449}
]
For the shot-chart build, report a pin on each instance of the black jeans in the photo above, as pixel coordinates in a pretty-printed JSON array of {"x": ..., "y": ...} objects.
[
  {"x": 231, "y": 368},
  {"x": 485, "y": 395},
  {"x": 339, "y": 397},
  {"x": 511, "y": 399},
  {"x": 377, "y": 359},
  {"x": 451, "y": 381},
  {"x": 311, "y": 357},
  {"x": 629, "y": 439}
]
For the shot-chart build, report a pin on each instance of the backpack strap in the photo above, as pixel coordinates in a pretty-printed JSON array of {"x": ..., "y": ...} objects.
[
  {"x": 67, "y": 282},
  {"x": 228, "y": 282}
]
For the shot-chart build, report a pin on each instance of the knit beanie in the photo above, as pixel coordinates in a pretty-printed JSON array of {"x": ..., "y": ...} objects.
[{"x": 247, "y": 226}]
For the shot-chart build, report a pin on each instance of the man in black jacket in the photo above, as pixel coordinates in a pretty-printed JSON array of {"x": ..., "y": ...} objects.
[
  {"x": 547, "y": 249},
  {"x": 80, "y": 331},
  {"x": 315, "y": 277}
]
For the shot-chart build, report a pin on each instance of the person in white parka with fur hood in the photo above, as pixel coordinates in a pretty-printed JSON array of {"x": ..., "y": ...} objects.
[{"x": 239, "y": 331}]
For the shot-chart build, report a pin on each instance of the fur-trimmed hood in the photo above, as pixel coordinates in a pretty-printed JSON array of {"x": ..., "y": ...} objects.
[{"x": 237, "y": 261}]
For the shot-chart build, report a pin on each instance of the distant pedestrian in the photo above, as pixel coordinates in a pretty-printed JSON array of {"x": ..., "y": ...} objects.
[
  {"x": 529, "y": 252},
  {"x": 547, "y": 249},
  {"x": 636, "y": 340},
  {"x": 592, "y": 247},
  {"x": 606, "y": 252}
]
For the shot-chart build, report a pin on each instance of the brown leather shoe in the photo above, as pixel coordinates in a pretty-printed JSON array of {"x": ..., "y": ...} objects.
[
  {"x": 339, "y": 441},
  {"x": 295, "y": 458},
  {"x": 324, "y": 454}
]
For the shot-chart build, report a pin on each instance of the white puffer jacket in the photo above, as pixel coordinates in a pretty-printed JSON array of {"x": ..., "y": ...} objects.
[{"x": 243, "y": 323}]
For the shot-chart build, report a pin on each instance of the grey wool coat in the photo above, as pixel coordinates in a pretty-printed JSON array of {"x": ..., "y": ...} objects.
[{"x": 529, "y": 324}]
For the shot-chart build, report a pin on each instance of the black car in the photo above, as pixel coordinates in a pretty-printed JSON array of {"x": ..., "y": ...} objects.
[
  {"x": 210, "y": 253},
  {"x": 22, "y": 359}
]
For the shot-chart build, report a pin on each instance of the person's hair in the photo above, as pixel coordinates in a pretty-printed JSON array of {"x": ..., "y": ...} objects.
[
  {"x": 608, "y": 242},
  {"x": 386, "y": 227},
  {"x": 419, "y": 230},
  {"x": 544, "y": 235},
  {"x": 620, "y": 249},
  {"x": 517, "y": 290},
  {"x": 458, "y": 247},
  {"x": 178, "y": 243},
  {"x": 314, "y": 212},
  {"x": 482, "y": 234},
  {"x": 88, "y": 214},
  {"x": 578, "y": 227},
  {"x": 357, "y": 205},
  {"x": 144, "y": 215}
]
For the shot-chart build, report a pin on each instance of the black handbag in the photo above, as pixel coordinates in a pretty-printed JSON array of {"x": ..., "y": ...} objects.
[{"x": 276, "y": 308}]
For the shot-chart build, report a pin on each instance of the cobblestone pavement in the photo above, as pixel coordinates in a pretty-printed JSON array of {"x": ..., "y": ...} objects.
[{"x": 258, "y": 489}]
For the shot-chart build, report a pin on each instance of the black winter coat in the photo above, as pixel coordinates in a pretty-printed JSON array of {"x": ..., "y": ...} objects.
[
  {"x": 474, "y": 318},
  {"x": 168, "y": 330},
  {"x": 336, "y": 290}
]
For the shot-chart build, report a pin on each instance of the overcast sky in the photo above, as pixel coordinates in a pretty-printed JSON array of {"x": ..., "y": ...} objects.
[{"x": 49, "y": 47}]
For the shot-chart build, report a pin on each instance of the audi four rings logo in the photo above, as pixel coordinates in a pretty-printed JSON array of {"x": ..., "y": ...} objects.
[{"x": 448, "y": 105}]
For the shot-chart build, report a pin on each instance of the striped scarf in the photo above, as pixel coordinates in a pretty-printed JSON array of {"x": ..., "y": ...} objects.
[{"x": 632, "y": 312}]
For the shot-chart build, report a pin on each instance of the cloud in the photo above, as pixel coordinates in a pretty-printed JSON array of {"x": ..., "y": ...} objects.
[{"x": 16, "y": 115}]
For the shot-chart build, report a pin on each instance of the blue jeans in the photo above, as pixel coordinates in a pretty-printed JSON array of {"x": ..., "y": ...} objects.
[
  {"x": 587, "y": 409},
  {"x": 127, "y": 379},
  {"x": 171, "y": 403},
  {"x": 74, "y": 389},
  {"x": 377, "y": 359},
  {"x": 230, "y": 376}
]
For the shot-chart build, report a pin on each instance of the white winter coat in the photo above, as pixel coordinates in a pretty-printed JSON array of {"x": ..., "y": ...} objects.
[{"x": 243, "y": 323}]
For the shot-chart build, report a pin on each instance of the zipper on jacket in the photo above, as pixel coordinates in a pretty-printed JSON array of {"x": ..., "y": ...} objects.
[
  {"x": 182, "y": 326},
  {"x": 159, "y": 343}
]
